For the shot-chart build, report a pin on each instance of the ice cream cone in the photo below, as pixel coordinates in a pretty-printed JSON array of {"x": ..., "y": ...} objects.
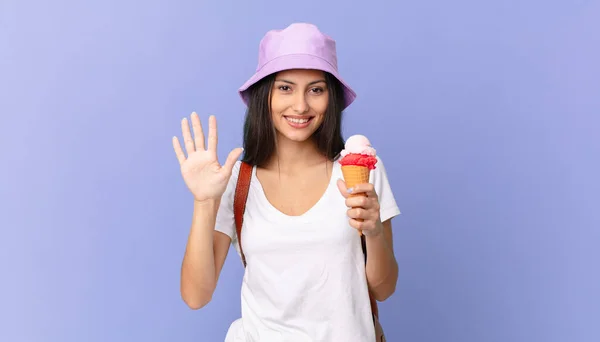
[{"x": 354, "y": 175}]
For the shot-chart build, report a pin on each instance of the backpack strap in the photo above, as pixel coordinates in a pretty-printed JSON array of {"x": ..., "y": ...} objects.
[
  {"x": 374, "y": 307},
  {"x": 239, "y": 202},
  {"x": 239, "y": 207}
]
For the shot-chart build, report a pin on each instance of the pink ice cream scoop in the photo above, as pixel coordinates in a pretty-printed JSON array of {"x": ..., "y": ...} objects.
[
  {"x": 358, "y": 152},
  {"x": 358, "y": 144}
]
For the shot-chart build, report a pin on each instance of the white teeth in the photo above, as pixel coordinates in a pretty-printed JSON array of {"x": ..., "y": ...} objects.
[{"x": 298, "y": 121}]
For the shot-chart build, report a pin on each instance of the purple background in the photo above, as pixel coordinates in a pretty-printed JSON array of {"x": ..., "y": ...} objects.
[{"x": 486, "y": 114}]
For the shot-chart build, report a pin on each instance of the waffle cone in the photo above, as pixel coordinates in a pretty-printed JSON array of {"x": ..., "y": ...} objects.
[{"x": 354, "y": 175}]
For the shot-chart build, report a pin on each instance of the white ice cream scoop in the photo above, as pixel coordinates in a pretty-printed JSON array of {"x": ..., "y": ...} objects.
[{"x": 358, "y": 144}]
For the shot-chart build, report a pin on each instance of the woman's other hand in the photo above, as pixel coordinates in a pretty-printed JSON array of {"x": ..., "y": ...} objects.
[
  {"x": 363, "y": 211},
  {"x": 204, "y": 176}
]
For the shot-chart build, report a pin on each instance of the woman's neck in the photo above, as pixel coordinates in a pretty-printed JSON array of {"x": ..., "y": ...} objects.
[{"x": 292, "y": 156}]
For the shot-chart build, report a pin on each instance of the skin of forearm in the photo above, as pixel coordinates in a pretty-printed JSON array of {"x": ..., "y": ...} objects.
[
  {"x": 381, "y": 268},
  {"x": 198, "y": 275}
]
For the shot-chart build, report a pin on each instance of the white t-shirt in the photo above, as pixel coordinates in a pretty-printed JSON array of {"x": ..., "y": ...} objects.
[{"x": 305, "y": 276}]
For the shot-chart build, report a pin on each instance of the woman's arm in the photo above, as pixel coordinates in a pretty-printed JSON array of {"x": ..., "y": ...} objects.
[
  {"x": 382, "y": 268},
  {"x": 205, "y": 254},
  {"x": 364, "y": 214}
]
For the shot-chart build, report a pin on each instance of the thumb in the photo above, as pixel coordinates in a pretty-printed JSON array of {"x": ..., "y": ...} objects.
[
  {"x": 232, "y": 158},
  {"x": 342, "y": 187}
]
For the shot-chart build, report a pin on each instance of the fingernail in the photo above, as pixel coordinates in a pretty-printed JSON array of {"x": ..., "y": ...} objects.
[{"x": 350, "y": 190}]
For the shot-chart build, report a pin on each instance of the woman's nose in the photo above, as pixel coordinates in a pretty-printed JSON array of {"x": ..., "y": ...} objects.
[{"x": 300, "y": 105}]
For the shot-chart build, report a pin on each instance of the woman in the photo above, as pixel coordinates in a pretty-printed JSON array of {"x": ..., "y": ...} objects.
[{"x": 306, "y": 277}]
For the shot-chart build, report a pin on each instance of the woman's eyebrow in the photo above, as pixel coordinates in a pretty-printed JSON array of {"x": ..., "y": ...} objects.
[{"x": 290, "y": 82}]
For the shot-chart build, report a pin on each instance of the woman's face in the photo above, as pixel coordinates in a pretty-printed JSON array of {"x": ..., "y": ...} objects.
[{"x": 299, "y": 99}]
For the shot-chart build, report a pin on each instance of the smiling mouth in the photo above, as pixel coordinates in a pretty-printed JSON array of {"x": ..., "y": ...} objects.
[{"x": 298, "y": 120}]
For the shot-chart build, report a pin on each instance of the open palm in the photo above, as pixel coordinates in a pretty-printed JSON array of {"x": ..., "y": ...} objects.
[{"x": 204, "y": 176}]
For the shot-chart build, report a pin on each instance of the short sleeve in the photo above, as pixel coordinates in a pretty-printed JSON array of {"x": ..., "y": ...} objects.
[
  {"x": 225, "y": 221},
  {"x": 387, "y": 202}
]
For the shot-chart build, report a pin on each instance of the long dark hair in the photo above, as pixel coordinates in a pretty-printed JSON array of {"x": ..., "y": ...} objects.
[{"x": 259, "y": 133}]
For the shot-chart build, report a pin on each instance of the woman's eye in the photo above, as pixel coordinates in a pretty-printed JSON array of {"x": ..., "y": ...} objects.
[
  {"x": 317, "y": 90},
  {"x": 284, "y": 88}
]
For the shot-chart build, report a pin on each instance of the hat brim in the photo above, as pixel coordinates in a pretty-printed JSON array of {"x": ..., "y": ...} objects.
[{"x": 296, "y": 61}]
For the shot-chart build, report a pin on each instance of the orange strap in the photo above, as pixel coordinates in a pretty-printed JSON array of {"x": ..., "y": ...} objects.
[
  {"x": 239, "y": 202},
  {"x": 239, "y": 206},
  {"x": 374, "y": 307}
]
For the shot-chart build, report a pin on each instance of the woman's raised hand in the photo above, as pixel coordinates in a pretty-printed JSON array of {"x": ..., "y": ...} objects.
[{"x": 201, "y": 171}]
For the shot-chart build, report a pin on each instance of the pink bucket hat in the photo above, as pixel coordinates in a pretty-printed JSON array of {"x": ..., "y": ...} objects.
[{"x": 299, "y": 46}]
